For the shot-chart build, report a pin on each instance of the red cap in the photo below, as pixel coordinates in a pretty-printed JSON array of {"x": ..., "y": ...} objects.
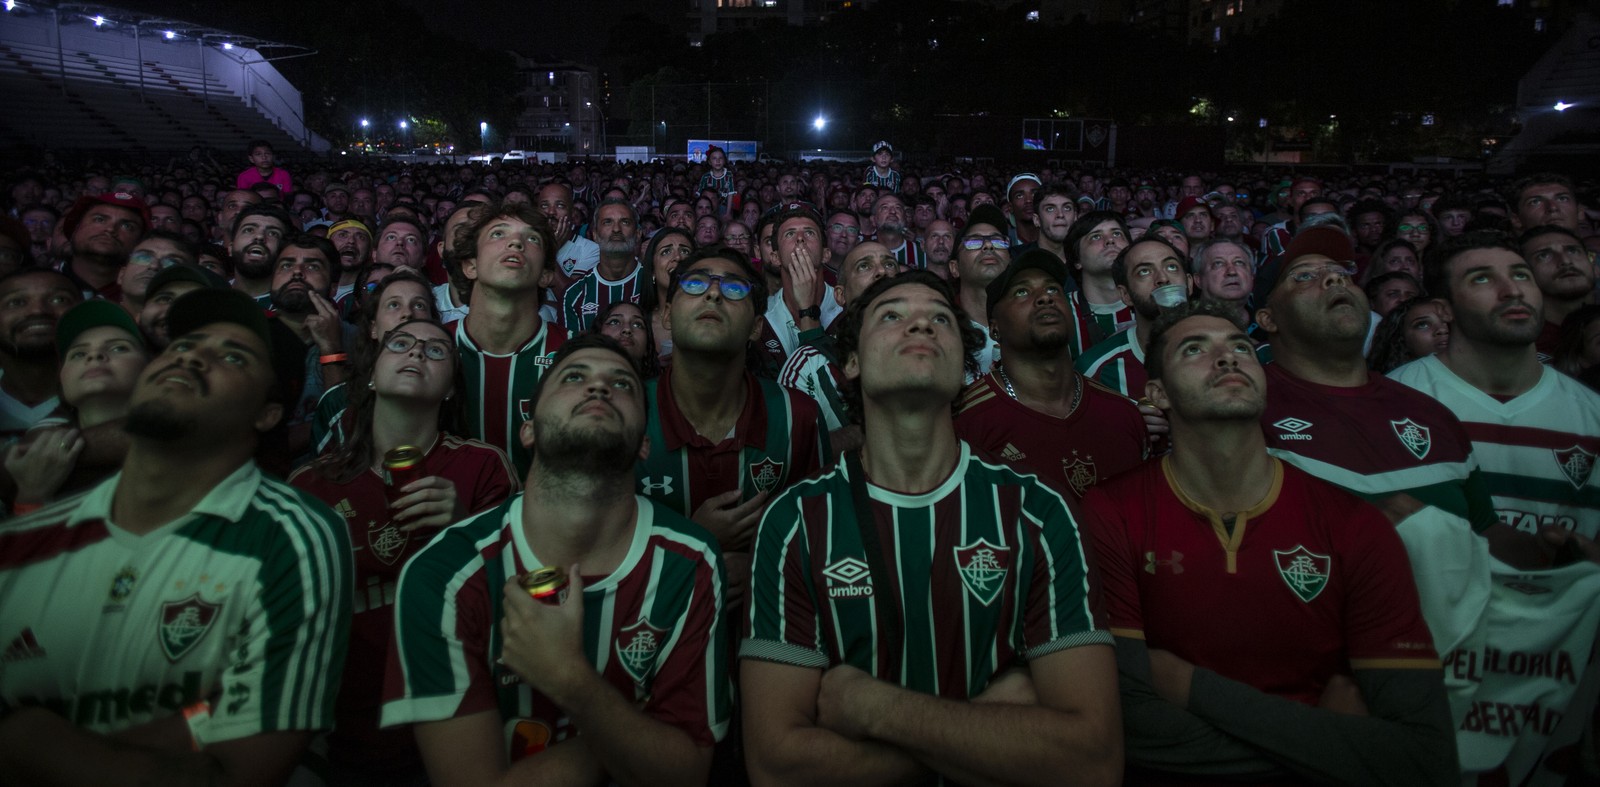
[
  {"x": 121, "y": 199},
  {"x": 1188, "y": 204}
]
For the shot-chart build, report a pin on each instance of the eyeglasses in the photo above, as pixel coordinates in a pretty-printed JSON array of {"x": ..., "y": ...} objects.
[
  {"x": 976, "y": 242},
  {"x": 1415, "y": 228},
  {"x": 844, "y": 228},
  {"x": 732, "y": 287},
  {"x": 1310, "y": 273},
  {"x": 149, "y": 259},
  {"x": 432, "y": 349}
]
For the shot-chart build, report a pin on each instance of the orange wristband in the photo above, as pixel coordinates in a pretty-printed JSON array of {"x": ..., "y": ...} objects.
[
  {"x": 195, "y": 715},
  {"x": 334, "y": 358}
]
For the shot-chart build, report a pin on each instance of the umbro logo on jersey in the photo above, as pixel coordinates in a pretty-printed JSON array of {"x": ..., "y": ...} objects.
[
  {"x": 1293, "y": 427},
  {"x": 848, "y": 573},
  {"x": 648, "y": 486},
  {"x": 1576, "y": 464},
  {"x": 23, "y": 648},
  {"x": 1011, "y": 454}
]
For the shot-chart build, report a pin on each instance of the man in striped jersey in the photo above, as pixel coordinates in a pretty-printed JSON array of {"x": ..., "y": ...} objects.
[
  {"x": 876, "y": 666},
  {"x": 1244, "y": 594},
  {"x": 889, "y": 216},
  {"x": 505, "y": 249},
  {"x": 814, "y": 367},
  {"x": 1118, "y": 362},
  {"x": 615, "y": 277},
  {"x": 625, "y": 678},
  {"x": 1097, "y": 308},
  {"x": 723, "y": 441},
  {"x": 186, "y": 618},
  {"x": 1034, "y": 411},
  {"x": 1536, "y": 432}
]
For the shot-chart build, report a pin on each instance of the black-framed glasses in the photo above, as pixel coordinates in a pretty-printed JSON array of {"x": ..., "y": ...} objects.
[
  {"x": 733, "y": 288},
  {"x": 432, "y": 349}
]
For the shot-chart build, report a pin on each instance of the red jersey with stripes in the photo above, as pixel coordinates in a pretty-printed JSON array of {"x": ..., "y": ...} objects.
[
  {"x": 243, "y": 601},
  {"x": 988, "y": 571},
  {"x": 1310, "y": 583},
  {"x": 779, "y": 439},
  {"x": 499, "y": 395},
  {"x": 483, "y": 478},
  {"x": 1102, "y": 437},
  {"x": 1537, "y": 452},
  {"x": 592, "y": 294},
  {"x": 653, "y": 629},
  {"x": 1117, "y": 363}
]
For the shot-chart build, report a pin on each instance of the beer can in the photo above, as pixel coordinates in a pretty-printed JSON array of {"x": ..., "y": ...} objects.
[
  {"x": 547, "y": 585},
  {"x": 404, "y": 465}
]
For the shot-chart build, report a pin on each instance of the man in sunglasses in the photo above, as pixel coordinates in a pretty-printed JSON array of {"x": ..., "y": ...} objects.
[
  {"x": 1097, "y": 308},
  {"x": 983, "y": 252},
  {"x": 978, "y": 569}
]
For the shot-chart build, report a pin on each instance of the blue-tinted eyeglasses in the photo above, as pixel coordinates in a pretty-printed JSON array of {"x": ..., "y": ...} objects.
[{"x": 732, "y": 287}]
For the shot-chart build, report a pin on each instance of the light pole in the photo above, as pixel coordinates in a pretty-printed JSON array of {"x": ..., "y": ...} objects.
[
  {"x": 483, "y": 135},
  {"x": 364, "y": 125},
  {"x": 602, "y": 114}
]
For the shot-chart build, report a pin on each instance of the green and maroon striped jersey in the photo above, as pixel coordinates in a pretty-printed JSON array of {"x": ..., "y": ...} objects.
[
  {"x": 591, "y": 294},
  {"x": 244, "y": 601},
  {"x": 499, "y": 395},
  {"x": 779, "y": 438},
  {"x": 653, "y": 629},
  {"x": 988, "y": 571}
]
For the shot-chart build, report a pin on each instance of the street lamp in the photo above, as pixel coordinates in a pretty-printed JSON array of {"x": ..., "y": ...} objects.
[
  {"x": 602, "y": 114},
  {"x": 483, "y": 134},
  {"x": 819, "y": 123}
]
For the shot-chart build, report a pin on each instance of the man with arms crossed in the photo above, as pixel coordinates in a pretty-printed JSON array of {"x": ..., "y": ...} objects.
[
  {"x": 981, "y": 569},
  {"x": 184, "y": 621},
  {"x": 1244, "y": 594},
  {"x": 624, "y": 679}
]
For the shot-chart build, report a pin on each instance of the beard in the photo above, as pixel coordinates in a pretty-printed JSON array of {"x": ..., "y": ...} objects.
[
  {"x": 583, "y": 453},
  {"x": 31, "y": 350},
  {"x": 612, "y": 247},
  {"x": 253, "y": 270},
  {"x": 295, "y": 301},
  {"x": 155, "y": 420},
  {"x": 1488, "y": 329},
  {"x": 1143, "y": 305}
]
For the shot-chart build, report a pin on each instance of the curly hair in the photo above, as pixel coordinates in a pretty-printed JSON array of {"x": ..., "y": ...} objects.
[{"x": 848, "y": 339}]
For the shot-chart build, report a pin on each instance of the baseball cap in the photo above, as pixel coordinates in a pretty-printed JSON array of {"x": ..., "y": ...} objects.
[
  {"x": 1330, "y": 242},
  {"x": 985, "y": 214},
  {"x": 335, "y": 186},
  {"x": 195, "y": 310},
  {"x": 120, "y": 199},
  {"x": 881, "y": 144},
  {"x": 189, "y": 273},
  {"x": 1188, "y": 204},
  {"x": 1022, "y": 177},
  {"x": 93, "y": 314},
  {"x": 315, "y": 223},
  {"x": 1032, "y": 259}
]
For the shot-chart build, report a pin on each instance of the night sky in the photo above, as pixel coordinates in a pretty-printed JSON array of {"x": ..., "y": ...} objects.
[{"x": 568, "y": 29}]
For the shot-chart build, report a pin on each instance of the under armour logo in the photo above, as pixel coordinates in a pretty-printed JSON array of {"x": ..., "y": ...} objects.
[
  {"x": 1175, "y": 563},
  {"x": 648, "y": 486}
]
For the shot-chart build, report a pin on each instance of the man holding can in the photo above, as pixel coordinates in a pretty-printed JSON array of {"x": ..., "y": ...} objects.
[{"x": 632, "y": 656}]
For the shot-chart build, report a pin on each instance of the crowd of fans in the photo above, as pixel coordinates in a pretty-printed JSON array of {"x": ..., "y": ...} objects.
[{"x": 970, "y": 472}]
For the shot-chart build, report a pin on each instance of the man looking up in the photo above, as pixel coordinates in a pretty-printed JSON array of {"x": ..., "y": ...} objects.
[
  {"x": 1564, "y": 274},
  {"x": 1033, "y": 410},
  {"x": 889, "y": 216},
  {"x": 723, "y": 441},
  {"x": 499, "y": 685},
  {"x": 615, "y": 277},
  {"x": 505, "y": 346},
  {"x": 982, "y": 253},
  {"x": 1019, "y": 201},
  {"x": 253, "y": 242},
  {"x": 830, "y": 693},
  {"x": 1212, "y": 553},
  {"x": 353, "y": 240},
  {"x": 241, "y": 585},
  {"x": 1544, "y": 198},
  {"x": 1054, "y": 210},
  {"x": 1224, "y": 271},
  {"x": 1097, "y": 308},
  {"x": 103, "y": 229},
  {"x": 1142, "y": 268}
]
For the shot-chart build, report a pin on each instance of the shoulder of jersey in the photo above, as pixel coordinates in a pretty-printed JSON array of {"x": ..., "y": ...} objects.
[
  {"x": 976, "y": 393},
  {"x": 1098, "y": 387}
]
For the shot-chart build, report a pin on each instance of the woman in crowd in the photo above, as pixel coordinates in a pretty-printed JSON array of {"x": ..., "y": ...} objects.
[
  {"x": 1395, "y": 254},
  {"x": 407, "y": 400},
  {"x": 625, "y": 322},
  {"x": 1419, "y": 228},
  {"x": 397, "y": 297},
  {"x": 102, "y": 354},
  {"x": 1578, "y": 344},
  {"x": 667, "y": 248},
  {"x": 1415, "y": 329}
]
